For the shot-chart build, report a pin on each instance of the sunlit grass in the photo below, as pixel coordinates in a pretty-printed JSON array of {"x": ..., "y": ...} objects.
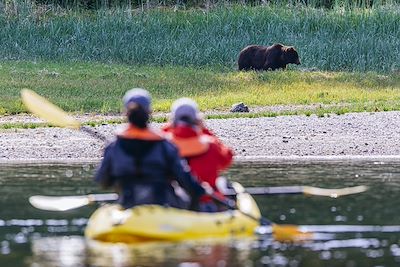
[{"x": 98, "y": 88}]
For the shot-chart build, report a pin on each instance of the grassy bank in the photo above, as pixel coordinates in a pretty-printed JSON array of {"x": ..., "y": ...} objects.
[
  {"x": 85, "y": 87},
  {"x": 327, "y": 40}
]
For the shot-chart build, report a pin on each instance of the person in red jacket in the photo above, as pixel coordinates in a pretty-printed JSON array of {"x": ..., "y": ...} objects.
[{"x": 207, "y": 156}]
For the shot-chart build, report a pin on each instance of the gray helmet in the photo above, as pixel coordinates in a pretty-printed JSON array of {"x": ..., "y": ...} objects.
[
  {"x": 185, "y": 110},
  {"x": 138, "y": 96}
]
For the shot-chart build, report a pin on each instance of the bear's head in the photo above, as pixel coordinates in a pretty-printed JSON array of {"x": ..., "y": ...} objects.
[{"x": 290, "y": 55}]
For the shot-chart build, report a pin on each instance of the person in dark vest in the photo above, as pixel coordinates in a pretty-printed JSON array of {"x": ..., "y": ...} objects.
[
  {"x": 141, "y": 164},
  {"x": 206, "y": 154}
]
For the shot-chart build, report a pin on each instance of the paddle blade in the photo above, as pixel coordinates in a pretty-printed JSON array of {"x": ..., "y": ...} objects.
[
  {"x": 334, "y": 193},
  {"x": 42, "y": 108},
  {"x": 290, "y": 233},
  {"x": 54, "y": 203}
]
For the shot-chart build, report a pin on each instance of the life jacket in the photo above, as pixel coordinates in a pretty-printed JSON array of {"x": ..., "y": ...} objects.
[
  {"x": 191, "y": 146},
  {"x": 131, "y": 132},
  {"x": 190, "y": 141}
]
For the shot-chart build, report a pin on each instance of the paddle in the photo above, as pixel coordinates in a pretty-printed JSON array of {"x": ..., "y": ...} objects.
[
  {"x": 54, "y": 115},
  {"x": 283, "y": 233},
  {"x": 64, "y": 203},
  {"x": 307, "y": 190}
]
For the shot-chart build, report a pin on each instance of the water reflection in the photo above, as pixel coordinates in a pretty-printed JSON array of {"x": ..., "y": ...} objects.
[
  {"x": 75, "y": 251},
  {"x": 358, "y": 230},
  {"x": 67, "y": 251}
]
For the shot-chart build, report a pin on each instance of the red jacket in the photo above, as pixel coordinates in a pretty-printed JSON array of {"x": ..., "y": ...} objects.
[{"x": 206, "y": 155}]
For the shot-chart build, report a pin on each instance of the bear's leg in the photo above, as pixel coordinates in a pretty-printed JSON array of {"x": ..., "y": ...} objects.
[
  {"x": 268, "y": 67},
  {"x": 245, "y": 67},
  {"x": 242, "y": 68},
  {"x": 275, "y": 66}
]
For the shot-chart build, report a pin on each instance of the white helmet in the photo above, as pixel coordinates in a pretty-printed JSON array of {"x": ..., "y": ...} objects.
[{"x": 185, "y": 110}]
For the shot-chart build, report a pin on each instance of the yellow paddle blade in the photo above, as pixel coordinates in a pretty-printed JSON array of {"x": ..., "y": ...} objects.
[
  {"x": 315, "y": 191},
  {"x": 42, "y": 108},
  {"x": 290, "y": 233},
  {"x": 59, "y": 203}
]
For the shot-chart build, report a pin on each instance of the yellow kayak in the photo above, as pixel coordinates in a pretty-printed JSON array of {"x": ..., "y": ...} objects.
[{"x": 112, "y": 223}]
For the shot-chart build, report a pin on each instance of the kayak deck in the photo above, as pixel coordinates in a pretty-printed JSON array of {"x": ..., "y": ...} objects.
[{"x": 112, "y": 223}]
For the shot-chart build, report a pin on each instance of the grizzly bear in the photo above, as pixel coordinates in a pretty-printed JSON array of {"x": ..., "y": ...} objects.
[{"x": 258, "y": 57}]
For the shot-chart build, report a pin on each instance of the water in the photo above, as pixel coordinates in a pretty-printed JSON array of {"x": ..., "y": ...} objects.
[{"x": 358, "y": 230}]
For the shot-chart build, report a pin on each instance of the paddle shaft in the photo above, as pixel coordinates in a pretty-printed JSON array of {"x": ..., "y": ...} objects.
[
  {"x": 93, "y": 133},
  {"x": 306, "y": 190},
  {"x": 103, "y": 197},
  {"x": 276, "y": 190},
  {"x": 228, "y": 204}
]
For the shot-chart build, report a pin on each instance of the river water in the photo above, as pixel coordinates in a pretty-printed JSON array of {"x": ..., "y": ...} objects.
[{"x": 357, "y": 230}]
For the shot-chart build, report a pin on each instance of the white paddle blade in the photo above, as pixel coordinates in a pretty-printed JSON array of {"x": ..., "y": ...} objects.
[
  {"x": 334, "y": 193},
  {"x": 53, "y": 203},
  {"x": 42, "y": 108}
]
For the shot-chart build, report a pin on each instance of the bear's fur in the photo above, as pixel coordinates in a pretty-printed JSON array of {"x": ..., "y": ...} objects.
[{"x": 258, "y": 57}]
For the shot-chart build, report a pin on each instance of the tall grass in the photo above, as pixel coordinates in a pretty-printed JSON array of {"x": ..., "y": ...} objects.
[
  {"x": 335, "y": 40},
  {"x": 94, "y": 4}
]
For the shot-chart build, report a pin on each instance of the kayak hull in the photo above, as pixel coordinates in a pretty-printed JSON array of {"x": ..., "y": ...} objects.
[{"x": 112, "y": 223}]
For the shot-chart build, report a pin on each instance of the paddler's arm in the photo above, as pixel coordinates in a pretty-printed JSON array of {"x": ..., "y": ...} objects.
[
  {"x": 187, "y": 181},
  {"x": 191, "y": 185},
  {"x": 225, "y": 156},
  {"x": 180, "y": 170},
  {"x": 103, "y": 174}
]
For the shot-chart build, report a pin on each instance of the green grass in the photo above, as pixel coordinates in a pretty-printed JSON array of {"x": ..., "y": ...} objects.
[
  {"x": 13, "y": 125},
  {"x": 336, "y": 39},
  {"x": 98, "y": 88},
  {"x": 96, "y": 4}
]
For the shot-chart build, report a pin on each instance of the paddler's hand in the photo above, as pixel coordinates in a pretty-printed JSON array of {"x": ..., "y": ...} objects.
[{"x": 207, "y": 187}]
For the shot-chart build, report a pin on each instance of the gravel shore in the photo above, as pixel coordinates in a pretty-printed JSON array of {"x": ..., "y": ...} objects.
[{"x": 353, "y": 134}]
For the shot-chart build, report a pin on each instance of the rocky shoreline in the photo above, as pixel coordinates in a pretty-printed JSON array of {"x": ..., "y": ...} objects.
[{"x": 352, "y": 135}]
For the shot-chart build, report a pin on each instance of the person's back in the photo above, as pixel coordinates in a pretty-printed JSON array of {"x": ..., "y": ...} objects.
[
  {"x": 206, "y": 156},
  {"x": 141, "y": 164}
]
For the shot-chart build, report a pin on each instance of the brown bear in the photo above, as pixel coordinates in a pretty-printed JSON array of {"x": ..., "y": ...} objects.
[{"x": 258, "y": 57}]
